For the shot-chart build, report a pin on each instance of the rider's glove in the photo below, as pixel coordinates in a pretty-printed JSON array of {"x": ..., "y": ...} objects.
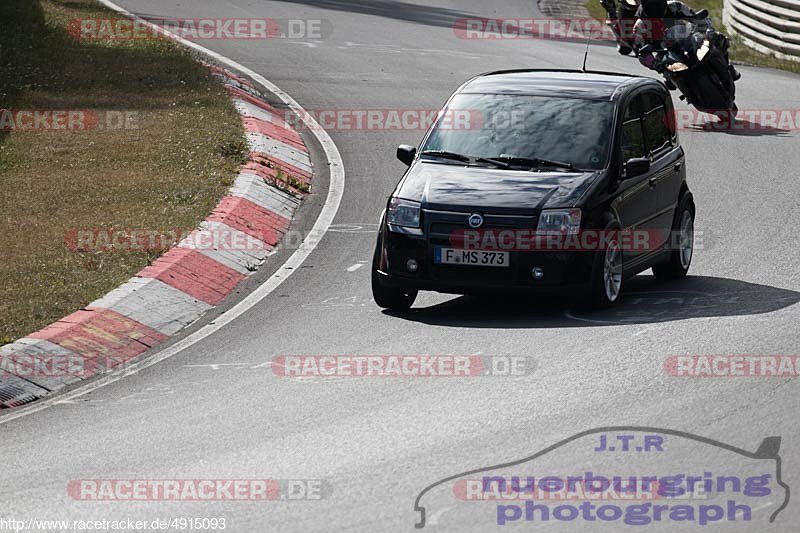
[{"x": 648, "y": 60}]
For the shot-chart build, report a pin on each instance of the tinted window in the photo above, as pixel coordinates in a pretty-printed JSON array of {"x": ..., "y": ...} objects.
[
  {"x": 632, "y": 144},
  {"x": 571, "y": 130},
  {"x": 656, "y": 126}
]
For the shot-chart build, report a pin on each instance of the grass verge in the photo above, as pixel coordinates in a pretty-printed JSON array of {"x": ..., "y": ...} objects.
[
  {"x": 739, "y": 51},
  {"x": 596, "y": 10},
  {"x": 167, "y": 145}
]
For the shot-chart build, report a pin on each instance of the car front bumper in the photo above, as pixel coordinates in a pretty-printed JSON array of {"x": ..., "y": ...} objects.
[{"x": 563, "y": 271}]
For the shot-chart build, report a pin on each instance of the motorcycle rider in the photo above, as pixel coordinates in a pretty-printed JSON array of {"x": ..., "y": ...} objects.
[
  {"x": 656, "y": 16},
  {"x": 622, "y": 19}
]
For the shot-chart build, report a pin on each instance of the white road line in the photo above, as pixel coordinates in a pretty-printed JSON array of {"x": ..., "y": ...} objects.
[
  {"x": 326, "y": 216},
  {"x": 569, "y": 314},
  {"x": 649, "y": 329},
  {"x": 434, "y": 518},
  {"x": 355, "y": 267},
  {"x": 216, "y": 366},
  {"x": 768, "y": 504}
]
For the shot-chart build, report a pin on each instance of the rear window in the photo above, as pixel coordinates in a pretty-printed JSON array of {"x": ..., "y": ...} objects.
[{"x": 571, "y": 130}]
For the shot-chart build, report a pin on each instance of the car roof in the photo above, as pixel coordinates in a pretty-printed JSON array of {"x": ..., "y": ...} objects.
[{"x": 564, "y": 83}]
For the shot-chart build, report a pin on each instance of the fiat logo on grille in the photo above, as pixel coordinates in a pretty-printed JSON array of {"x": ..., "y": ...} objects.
[{"x": 475, "y": 220}]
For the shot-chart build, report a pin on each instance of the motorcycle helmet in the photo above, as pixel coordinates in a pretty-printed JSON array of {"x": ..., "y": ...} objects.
[
  {"x": 677, "y": 34},
  {"x": 654, "y": 8}
]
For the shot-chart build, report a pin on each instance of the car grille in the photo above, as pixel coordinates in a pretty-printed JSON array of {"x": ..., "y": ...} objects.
[{"x": 441, "y": 225}]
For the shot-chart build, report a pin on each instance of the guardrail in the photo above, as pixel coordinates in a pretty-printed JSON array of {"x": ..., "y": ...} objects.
[{"x": 769, "y": 26}]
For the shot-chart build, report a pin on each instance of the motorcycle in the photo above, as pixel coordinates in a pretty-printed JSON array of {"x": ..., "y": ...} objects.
[{"x": 693, "y": 62}]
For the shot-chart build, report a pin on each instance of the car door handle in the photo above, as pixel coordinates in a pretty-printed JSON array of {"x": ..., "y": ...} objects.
[
  {"x": 678, "y": 167},
  {"x": 652, "y": 181}
]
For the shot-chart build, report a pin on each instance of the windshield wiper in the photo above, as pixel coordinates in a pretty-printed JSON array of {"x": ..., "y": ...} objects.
[
  {"x": 536, "y": 162},
  {"x": 466, "y": 158},
  {"x": 447, "y": 155},
  {"x": 495, "y": 162}
]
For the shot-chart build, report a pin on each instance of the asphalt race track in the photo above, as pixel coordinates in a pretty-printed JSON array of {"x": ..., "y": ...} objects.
[{"x": 216, "y": 410}]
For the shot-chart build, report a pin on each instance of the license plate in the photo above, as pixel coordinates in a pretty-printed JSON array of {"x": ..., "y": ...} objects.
[{"x": 454, "y": 256}]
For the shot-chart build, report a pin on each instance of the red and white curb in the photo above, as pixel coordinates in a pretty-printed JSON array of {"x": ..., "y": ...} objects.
[{"x": 184, "y": 283}]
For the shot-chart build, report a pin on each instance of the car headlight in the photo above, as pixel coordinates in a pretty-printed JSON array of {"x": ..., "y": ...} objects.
[
  {"x": 560, "y": 220},
  {"x": 403, "y": 213}
]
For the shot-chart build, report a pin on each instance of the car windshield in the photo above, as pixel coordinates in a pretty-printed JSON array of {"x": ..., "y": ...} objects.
[{"x": 524, "y": 128}]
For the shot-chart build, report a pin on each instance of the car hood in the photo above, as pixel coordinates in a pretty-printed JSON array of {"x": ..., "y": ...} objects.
[{"x": 449, "y": 187}]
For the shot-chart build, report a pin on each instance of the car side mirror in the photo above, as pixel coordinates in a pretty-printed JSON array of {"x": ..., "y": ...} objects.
[
  {"x": 406, "y": 153},
  {"x": 636, "y": 167}
]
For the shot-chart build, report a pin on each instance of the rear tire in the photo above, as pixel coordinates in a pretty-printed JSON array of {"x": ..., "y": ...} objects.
[
  {"x": 682, "y": 237},
  {"x": 389, "y": 297},
  {"x": 606, "y": 281}
]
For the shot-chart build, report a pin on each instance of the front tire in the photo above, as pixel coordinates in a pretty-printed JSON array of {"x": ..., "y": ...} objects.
[
  {"x": 606, "y": 282},
  {"x": 391, "y": 298},
  {"x": 682, "y": 235}
]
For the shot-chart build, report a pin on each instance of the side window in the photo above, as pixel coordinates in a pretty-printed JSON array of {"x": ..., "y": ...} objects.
[
  {"x": 632, "y": 144},
  {"x": 657, "y": 131}
]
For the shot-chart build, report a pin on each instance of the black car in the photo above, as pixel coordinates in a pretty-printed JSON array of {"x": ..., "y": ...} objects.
[{"x": 565, "y": 179}]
